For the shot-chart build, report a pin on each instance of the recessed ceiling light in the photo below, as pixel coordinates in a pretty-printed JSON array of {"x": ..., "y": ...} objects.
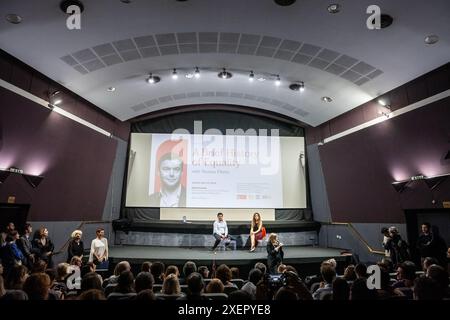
[
  {"x": 431, "y": 39},
  {"x": 284, "y": 3},
  {"x": 326, "y": 99},
  {"x": 297, "y": 86},
  {"x": 189, "y": 75},
  {"x": 13, "y": 18},
  {"x": 111, "y": 89},
  {"x": 334, "y": 8},
  {"x": 57, "y": 101}
]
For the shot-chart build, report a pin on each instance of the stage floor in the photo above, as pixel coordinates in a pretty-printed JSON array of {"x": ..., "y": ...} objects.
[{"x": 172, "y": 255}]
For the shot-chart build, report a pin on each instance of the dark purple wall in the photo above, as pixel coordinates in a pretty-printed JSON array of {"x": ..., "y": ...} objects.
[
  {"x": 76, "y": 161},
  {"x": 359, "y": 168}
]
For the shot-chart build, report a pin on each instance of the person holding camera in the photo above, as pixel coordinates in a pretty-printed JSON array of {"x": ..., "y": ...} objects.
[{"x": 275, "y": 253}]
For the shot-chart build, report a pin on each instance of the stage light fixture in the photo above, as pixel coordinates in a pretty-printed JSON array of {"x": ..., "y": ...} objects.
[
  {"x": 224, "y": 74},
  {"x": 197, "y": 73},
  {"x": 278, "y": 81},
  {"x": 33, "y": 180},
  {"x": 153, "y": 79},
  {"x": 174, "y": 74},
  {"x": 251, "y": 77},
  {"x": 326, "y": 99}
]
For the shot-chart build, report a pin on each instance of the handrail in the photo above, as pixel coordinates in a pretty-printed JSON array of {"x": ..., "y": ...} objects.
[
  {"x": 64, "y": 246},
  {"x": 358, "y": 235}
]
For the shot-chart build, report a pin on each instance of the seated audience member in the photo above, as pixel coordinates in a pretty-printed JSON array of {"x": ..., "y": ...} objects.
[
  {"x": 281, "y": 268},
  {"x": 76, "y": 261},
  {"x": 261, "y": 266},
  {"x": 87, "y": 268},
  {"x": 76, "y": 246},
  {"x": 172, "y": 270},
  {"x": 39, "y": 266},
  {"x": 146, "y": 266},
  {"x": 427, "y": 262},
  {"x": 90, "y": 281},
  {"x": 326, "y": 286},
  {"x": 145, "y": 295},
  {"x": 285, "y": 294},
  {"x": 239, "y": 295},
  {"x": 214, "y": 286},
  {"x": 361, "y": 271},
  {"x": 223, "y": 272},
  {"x": 386, "y": 291},
  {"x": 171, "y": 285},
  {"x": 188, "y": 268},
  {"x": 125, "y": 287},
  {"x": 406, "y": 274},
  {"x": 234, "y": 273},
  {"x": 62, "y": 272},
  {"x": 16, "y": 277},
  {"x": 53, "y": 295},
  {"x": 204, "y": 271},
  {"x": 1, "y": 267},
  {"x": 254, "y": 277},
  {"x": 2, "y": 287},
  {"x": 360, "y": 291},
  {"x": 14, "y": 295},
  {"x": 349, "y": 273},
  {"x": 291, "y": 268},
  {"x": 297, "y": 285},
  {"x": 440, "y": 275},
  {"x": 37, "y": 286},
  {"x": 157, "y": 269},
  {"x": 426, "y": 288},
  {"x": 120, "y": 267},
  {"x": 144, "y": 281},
  {"x": 92, "y": 294},
  {"x": 341, "y": 290},
  {"x": 195, "y": 286}
]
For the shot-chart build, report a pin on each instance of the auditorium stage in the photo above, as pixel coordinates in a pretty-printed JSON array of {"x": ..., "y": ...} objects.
[{"x": 178, "y": 256}]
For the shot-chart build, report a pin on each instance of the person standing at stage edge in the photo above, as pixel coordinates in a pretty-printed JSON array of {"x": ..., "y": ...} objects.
[{"x": 220, "y": 231}]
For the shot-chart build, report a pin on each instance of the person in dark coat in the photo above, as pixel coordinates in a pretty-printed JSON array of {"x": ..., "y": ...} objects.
[
  {"x": 76, "y": 246},
  {"x": 44, "y": 246},
  {"x": 275, "y": 253},
  {"x": 398, "y": 248},
  {"x": 25, "y": 245},
  {"x": 11, "y": 253}
]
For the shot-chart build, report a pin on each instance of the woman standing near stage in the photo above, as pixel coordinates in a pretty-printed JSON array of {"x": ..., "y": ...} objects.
[
  {"x": 99, "y": 248},
  {"x": 257, "y": 231},
  {"x": 275, "y": 253}
]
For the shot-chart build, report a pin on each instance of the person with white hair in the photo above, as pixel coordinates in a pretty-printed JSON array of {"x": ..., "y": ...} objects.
[
  {"x": 76, "y": 246},
  {"x": 398, "y": 248}
]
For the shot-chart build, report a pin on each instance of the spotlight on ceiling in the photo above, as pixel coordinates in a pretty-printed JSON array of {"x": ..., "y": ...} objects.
[
  {"x": 174, "y": 74},
  {"x": 224, "y": 74},
  {"x": 278, "y": 81},
  {"x": 189, "y": 75},
  {"x": 13, "y": 18},
  {"x": 431, "y": 39},
  {"x": 64, "y": 5},
  {"x": 297, "y": 86},
  {"x": 111, "y": 89},
  {"x": 55, "y": 98},
  {"x": 251, "y": 76},
  {"x": 326, "y": 99},
  {"x": 334, "y": 8},
  {"x": 153, "y": 79},
  {"x": 197, "y": 73},
  {"x": 285, "y": 3}
]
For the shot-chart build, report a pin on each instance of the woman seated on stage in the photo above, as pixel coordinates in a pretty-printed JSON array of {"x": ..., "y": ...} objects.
[{"x": 257, "y": 231}]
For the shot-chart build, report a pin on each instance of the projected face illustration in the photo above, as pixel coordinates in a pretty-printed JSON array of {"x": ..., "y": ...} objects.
[{"x": 170, "y": 172}]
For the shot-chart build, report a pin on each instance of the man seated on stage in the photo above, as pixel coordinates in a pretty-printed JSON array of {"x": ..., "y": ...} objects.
[{"x": 221, "y": 231}]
